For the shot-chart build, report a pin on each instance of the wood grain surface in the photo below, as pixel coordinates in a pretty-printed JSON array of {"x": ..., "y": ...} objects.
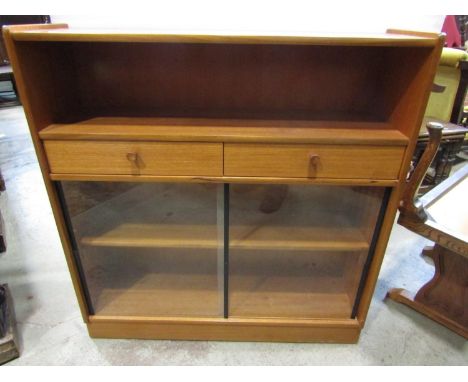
[
  {"x": 332, "y": 161},
  {"x": 149, "y": 158}
]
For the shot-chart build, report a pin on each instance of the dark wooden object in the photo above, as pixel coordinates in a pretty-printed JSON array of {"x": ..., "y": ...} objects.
[
  {"x": 15, "y": 20},
  {"x": 452, "y": 140},
  {"x": 453, "y": 137},
  {"x": 8, "y": 338},
  {"x": 458, "y": 105},
  {"x": 6, "y": 75},
  {"x": 2, "y": 234},
  {"x": 443, "y": 298}
]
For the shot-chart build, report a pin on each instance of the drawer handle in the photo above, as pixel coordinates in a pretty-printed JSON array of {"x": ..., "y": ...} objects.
[
  {"x": 132, "y": 157},
  {"x": 314, "y": 159}
]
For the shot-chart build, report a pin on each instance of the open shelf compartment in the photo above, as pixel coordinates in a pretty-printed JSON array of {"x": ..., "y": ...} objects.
[{"x": 241, "y": 91}]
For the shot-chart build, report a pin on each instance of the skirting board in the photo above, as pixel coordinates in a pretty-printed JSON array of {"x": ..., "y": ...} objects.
[{"x": 232, "y": 329}]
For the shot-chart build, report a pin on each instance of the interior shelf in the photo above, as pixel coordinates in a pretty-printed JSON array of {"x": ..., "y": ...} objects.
[
  {"x": 181, "y": 288},
  {"x": 150, "y": 298},
  {"x": 143, "y": 217},
  {"x": 277, "y": 238},
  {"x": 275, "y": 297},
  {"x": 227, "y": 130}
]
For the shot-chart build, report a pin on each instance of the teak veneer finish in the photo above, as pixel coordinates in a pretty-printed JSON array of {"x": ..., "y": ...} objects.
[
  {"x": 273, "y": 111},
  {"x": 319, "y": 161},
  {"x": 135, "y": 158},
  {"x": 227, "y": 130}
]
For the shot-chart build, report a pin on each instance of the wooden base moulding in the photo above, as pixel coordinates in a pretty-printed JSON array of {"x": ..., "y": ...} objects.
[{"x": 232, "y": 329}]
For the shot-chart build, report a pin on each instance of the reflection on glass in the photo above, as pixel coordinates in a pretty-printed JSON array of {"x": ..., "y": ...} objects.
[
  {"x": 147, "y": 249},
  {"x": 298, "y": 250}
]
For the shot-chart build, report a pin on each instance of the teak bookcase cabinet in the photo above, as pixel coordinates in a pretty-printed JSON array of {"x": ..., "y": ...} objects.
[{"x": 223, "y": 187}]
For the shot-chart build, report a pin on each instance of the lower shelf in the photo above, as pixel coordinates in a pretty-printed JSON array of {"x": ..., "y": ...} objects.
[
  {"x": 205, "y": 302},
  {"x": 184, "y": 285},
  {"x": 161, "y": 295}
]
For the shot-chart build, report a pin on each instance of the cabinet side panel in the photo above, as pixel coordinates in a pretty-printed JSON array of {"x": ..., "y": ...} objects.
[
  {"x": 38, "y": 116},
  {"x": 407, "y": 117}
]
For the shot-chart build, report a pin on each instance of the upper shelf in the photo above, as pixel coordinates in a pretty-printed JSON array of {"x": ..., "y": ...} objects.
[
  {"x": 227, "y": 130},
  {"x": 62, "y": 33}
]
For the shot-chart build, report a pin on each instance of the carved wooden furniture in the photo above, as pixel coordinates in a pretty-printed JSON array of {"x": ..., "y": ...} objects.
[
  {"x": 445, "y": 106},
  {"x": 452, "y": 140},
  {"x": 441, "y": 216},
  {"x": 458, "y": 113},
  {"x": 223, "y": 187}
]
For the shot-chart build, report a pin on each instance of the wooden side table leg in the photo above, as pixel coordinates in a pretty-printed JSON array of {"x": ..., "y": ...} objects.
[
  {"x": 428, "y": 251},
  {"x": 445, "y": 297}
]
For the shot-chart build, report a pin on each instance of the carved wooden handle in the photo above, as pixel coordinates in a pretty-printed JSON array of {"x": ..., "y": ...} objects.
[
  {"x": 314, "y": 159},
  {"x": 132, "y": 157},
  {"x": 410, "y": 206}
]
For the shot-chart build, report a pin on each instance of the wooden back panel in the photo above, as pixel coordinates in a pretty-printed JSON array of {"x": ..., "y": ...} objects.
[{"x": 347, "y": 83}]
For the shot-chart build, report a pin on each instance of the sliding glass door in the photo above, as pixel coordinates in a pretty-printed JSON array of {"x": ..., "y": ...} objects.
[
  {"x": 298, "y": 251},
  {"x": 147, "y": 249},
  {"x": 214, "y": 250}
]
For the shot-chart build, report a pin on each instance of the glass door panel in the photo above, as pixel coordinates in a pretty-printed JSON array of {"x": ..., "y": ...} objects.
[
  {"x": 298, "y": 250},
  {"x": 148, "y": 249}
]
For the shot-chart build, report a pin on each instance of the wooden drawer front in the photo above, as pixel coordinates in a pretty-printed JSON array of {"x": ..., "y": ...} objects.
[
  {"x": 135, "y": 158},
  {"x": 315, "y": 161}
]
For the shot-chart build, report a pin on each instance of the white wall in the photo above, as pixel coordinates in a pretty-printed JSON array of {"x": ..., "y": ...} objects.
[{"x": 232, "y": 18}]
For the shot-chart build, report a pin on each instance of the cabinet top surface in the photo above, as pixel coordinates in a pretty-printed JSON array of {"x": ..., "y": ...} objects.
[{"x": 60, "y": 32}]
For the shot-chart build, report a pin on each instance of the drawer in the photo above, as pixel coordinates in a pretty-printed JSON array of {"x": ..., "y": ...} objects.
[
  {"x": 134, "y": 158},
  {"x": 313, "y": 161}
]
